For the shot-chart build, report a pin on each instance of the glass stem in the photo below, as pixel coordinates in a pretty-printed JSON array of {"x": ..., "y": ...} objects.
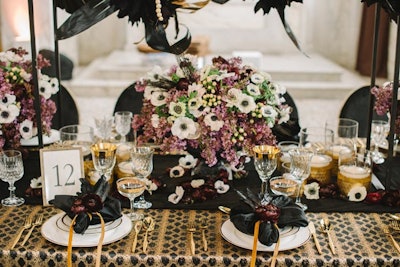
[
  {"x": 298, "y": 199},
  {"x": 132, "y": 202},
  {"x": 12, "y": 189},
  {"x": 263, "y": 187},
  {"x": 123, "y": 139}
]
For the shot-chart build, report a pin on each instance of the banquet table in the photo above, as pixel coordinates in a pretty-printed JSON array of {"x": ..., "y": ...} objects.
[
  {"x": 358, "y": 237},
  {"x": 358, "y": 233}
]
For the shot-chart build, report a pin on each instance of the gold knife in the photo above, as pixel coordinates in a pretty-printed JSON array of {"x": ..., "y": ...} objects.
[{"x": 311, "y": 227}]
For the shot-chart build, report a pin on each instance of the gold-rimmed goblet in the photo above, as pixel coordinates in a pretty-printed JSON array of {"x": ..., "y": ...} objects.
[
  {"x": 265, "y": 163},
  {"x": 11, "y": 170},
  {"x": 103, "y": 156},
  {"x": 131, "y": 188},
  {"x": 300, "y": 169}
]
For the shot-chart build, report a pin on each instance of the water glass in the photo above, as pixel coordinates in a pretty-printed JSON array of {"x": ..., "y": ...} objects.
[
  {"x": 103, "y": 156},
  {"x": 300, "y": 169},
  {"x": 319, "y": 139},
  {"x": 142, "y": 166},
  {"x": 104, "y": 127},
  {"x": 379, "y": 132},
  {"x": 77, "y": 135},
  {"x": 11, "y": 170},
  {"x": 123, "y": 121}
]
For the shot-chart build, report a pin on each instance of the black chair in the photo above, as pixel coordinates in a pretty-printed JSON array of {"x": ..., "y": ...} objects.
[
  {"x": 288, "y": 131},
  {"x": 356, "y": 107},
  {"x": 129, "y": 100},
  {"x": 67, "y": 111}
]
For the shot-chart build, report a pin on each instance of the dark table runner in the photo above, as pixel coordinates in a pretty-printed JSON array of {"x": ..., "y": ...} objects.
[{"x": 229, "y": 199}]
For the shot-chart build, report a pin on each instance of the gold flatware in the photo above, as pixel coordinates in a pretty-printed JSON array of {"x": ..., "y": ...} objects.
[
  {"x": 395, "y": 225},
  {"x": 37, "y": 222},
  {"x": 137, "y": 227},
  {"x": 325, "y": 226},
  {"x": 149, "y": 224},
  {"x": 191, "y": 230},
  {"x": 224, "y": 209},
  {"x": 313, "y": 232},
  {"x": 27, "y": 225},
  {"x": 203, "y": 227},
  {"x": 388, "y": 234}
]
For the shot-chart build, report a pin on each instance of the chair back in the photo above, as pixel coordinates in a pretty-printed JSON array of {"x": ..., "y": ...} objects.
[
  {"x": 67, "y": 111},
  {"x": 288, "y": 131},
  {"x": 129, "y": 100},
  {"x": 356, "y": 107}
]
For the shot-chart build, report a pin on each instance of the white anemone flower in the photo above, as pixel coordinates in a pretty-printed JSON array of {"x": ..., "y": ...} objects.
[
  {"x": 188, "y": 161},
  {"x": 198, "y": 88},
  {"x": 196, "y": 183},
  {"x": 184, "y": 128},
  {"x": 177, "y": 109},
  {"x": 8, "y": 99},
  {"x": 268, "y": 112},
  {"x": 221, "y": 187},
  {"x": 8, "y": 113},
  {"x": 177, "y": 196},
  {"x": 176, "y": 171},
  {"x": 311, "y": 191},
  {"x": 246, "y": 103},
  {"x": 155, "y": 120},
  {"x": 257, "y": 78},
  {"x": 25, "y": 75},
  {"x": 45, "y": 89},
  {"x": 253, "y": 89},
  {"x": 284, "y": 115},
  {"x": 357, "y": 193},
  {"x": 159, "y": 98},
  {"x": 196, "y": 107},
  {"x": 36, "y": 182},
  {"x": 148, "y": 92},
  {"x": 232, "y": 97},
  {"x": 280, "y": 89},
  {"x": 212, "y": 121},
  {"x": 10, "y": 56},
  {"x": 54, "y": 85},
  {"x": 25, "y": 129},
  {"x": 155, "y": 73}
]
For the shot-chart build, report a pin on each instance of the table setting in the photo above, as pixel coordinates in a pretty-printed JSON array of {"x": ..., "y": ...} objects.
[{"x": 209, "y": 169}]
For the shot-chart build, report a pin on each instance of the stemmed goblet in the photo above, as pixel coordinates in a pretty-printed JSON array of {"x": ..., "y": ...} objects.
[
  {"x": 131, "y": 188},
  {"x": 123, "y": 120},
  {"x": 265, "y": 163},
  {"x": 103, "y": 156},
  {"x": 142, "y": 166},
  {"x": 378, "y": 134},
  {"x": 300, "y": 169},
  {"x": 11, "y": 170}
]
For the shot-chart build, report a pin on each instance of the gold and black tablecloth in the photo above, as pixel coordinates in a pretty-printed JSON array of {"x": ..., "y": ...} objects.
[{"x": 358, "y": 237}]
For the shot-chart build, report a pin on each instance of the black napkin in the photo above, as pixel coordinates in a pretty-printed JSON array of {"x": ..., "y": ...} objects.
[
  {"x": 110, "y": 210},
  {"x": 244, "y": 218}
]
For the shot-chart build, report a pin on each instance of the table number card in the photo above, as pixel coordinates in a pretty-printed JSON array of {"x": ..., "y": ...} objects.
[{"x": 61, "y": 169}]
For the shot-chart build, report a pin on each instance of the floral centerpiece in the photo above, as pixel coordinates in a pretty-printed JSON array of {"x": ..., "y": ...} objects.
[
  {"x": 221, "y": 110},
  {"x": 17, "y": 112}
]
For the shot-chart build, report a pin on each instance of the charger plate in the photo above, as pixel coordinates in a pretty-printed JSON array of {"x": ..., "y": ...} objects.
[
  {"x": 56, "y": 230},
  {"x": 291, "y": 237}
]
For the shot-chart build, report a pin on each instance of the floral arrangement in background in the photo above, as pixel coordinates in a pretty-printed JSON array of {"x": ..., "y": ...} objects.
[
  {"x": 17, "y": 112},
  {"x": 221, "y": 110},
  {"x": 383, "y": 102}
]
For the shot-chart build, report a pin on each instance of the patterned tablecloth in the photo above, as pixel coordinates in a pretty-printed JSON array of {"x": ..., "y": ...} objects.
[{"x": 358, "y": 237}]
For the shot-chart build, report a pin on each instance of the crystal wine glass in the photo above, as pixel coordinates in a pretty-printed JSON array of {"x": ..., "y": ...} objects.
[
  {"x": 131, "y": 188},
  {"x": 142, "y": 166},
  {"x": 11, "y": 170},
  {"x": 104, "y": 126},
  {"x": 265, "y": 162},
  {"x": 300, "y": 169},
  {"x": 123, "y": 121},
  {"x": 103, "y": 156},
  {"x": 378, "y": 134}
]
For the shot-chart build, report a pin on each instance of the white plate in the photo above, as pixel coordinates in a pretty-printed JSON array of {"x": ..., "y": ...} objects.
[
  {"x": 291, "y": 237},
  {"x": 34, "y": 141},
  {"x": 56, "y": 230}
]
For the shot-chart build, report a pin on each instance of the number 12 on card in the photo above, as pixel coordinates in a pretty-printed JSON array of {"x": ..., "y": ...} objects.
[{"x": 61, "y": 169}]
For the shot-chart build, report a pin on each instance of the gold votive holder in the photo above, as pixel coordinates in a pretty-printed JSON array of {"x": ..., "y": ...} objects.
[
  {"x": 321, "y": 166},
  {"x": 333, "y": 152},
  {"x": 124, "y": 169}
]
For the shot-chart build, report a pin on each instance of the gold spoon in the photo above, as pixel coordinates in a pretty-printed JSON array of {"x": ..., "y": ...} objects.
[
  {"x": 149, "y": 224},
  {"x": 224, "y": 209},
  {"x": 393, "y": 216},
  {"x": 325, "y": 226},
  {"x": 137, "y": 227}
]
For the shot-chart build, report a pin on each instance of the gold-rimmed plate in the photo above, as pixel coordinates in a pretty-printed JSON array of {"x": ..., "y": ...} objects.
[
  {"x": 54, "y": 231},
  {"x": 291, "y": 237}
]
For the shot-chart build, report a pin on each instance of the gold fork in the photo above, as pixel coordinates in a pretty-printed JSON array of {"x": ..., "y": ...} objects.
[
  {"x": 395, "y": 225},
  {"x": 203, "y": 227},
  {"x": 27, "y": 225},
  {"x": 37, "y": 222},
  {"x": 387, "y": 233},
  {"x": 192, "y": 229}
]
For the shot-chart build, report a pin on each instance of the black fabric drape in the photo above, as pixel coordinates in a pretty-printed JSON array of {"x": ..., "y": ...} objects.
[{"x": 364, "y": 56}]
